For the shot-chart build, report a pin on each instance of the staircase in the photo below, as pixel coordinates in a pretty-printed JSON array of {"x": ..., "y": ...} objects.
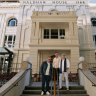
[{"x": 74, "y": 91}]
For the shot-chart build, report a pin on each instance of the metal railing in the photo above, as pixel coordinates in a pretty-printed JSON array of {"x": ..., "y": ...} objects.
[
  {"x": 91, "y": 65},
  {"x": 4, "y": 75},
  {"x": 4, "y": 78},
  {"x": 89, "y": 76},
  {"x": 15, "y": 67},
  {"x": 21, "y": 80}
]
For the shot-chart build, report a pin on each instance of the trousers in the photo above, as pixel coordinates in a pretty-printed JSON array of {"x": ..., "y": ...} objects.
[
  {"x": 45, "y": 79},
  {"x": 66, "y": 79}
]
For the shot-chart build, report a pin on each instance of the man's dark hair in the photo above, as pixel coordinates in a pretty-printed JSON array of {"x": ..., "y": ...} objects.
[{"x": 49, "y": 57}]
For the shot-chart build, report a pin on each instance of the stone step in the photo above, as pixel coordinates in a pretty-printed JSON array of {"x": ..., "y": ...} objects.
[
  {"x": 64, "y": 88},
  {"x": 59, "y": 95},
  {"x": 37, "y": 92}
]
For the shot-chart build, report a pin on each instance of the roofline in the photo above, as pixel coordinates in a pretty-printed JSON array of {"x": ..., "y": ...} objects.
[{"x": 9, "y": 0}]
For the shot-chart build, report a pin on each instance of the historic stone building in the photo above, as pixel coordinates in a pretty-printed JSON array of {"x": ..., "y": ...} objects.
[
  {"x": 93, "y": 20},
  {"x": 36, "y": 29}
]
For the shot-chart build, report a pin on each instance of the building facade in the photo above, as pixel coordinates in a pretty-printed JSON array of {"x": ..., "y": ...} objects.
[
  {"x": 37, "y": 29},
  {"x": 93, "y": 20}
]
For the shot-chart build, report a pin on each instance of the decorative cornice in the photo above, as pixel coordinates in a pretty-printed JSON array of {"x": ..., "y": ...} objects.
[
  {"x": 54, "y": 13},
  {"x": 74, "y": 45},
  {"x": 9, "y": 5}
]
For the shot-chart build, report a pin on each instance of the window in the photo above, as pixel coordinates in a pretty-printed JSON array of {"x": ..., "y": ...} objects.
[
  {"x": 83, "y": 2},
  {"x": 93, "y": 20},
  {"x": 46, "y": 33},
  {"x": 94, "y": 39},
  {"x": 9, "y": 41},
  {"x": 62, "y": 33},
  {"x": 12, "y": 22},
  {"x": 54, "y": 33}
]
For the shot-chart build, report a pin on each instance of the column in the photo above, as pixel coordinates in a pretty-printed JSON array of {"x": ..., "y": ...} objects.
[
  {"x": 75, "y": 33},
  {"x": 33, "y": 30},
  {"x": 3, "y": 29},
  {"x": 19, "y": 27},
  {"x": 35, "y": 33},
  {"x": 74, "y": 59},
  {"x": 34, "y": 59},
  {"x": 70, "y": 30}
]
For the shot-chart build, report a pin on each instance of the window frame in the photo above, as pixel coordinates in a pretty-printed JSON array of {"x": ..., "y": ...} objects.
[
  {"x": 50, "y": 35},
  {"x": 8, "y": 42},
  {"x": 12, "y": 20},
  {"x": 55, "y": 35}
]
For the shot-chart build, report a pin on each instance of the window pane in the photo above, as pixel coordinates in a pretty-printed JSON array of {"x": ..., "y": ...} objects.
[
  {"x": 95, "y": 41},
  {"x": 11, "y": 41},
  {"x": 12, "y": 22},
  {"x": 93, "y": 20},
  {"x": 62, "y": 33},
  {"x": 54, "y": 33},
  {"x": 10, "y": 38},
  {"x": 46, "y": 33}
]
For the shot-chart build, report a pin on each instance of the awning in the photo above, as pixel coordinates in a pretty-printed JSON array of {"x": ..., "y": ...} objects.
[{"x": 4, "y": 51}]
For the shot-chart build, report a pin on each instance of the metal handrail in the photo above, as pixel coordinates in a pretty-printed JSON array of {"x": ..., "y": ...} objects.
[
  {"x": 54, "y": 85},
  {"x": 58, "y": 83},
  {"x": 89, "y": 76}
]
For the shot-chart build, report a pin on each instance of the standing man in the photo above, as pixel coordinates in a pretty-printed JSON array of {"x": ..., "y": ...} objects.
[
  {"x": 56, "y": 61},
  {"x": 46, "y": 71},
  {"x": 64, "y": 66}
]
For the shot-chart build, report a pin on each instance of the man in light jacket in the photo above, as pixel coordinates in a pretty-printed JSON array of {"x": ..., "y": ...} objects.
[
  {"x": 64, "y": 66},
  {"x": 56, "y": 61}
]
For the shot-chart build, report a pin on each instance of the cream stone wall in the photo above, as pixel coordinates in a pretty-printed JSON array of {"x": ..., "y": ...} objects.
[
  {"x": 7, "y": 11},
  {"x": 87, "y": 83},
  {"x": 57, "y": 19},
  {"x": 93, "y": 15},
  {"x": 29, "y": 38}
]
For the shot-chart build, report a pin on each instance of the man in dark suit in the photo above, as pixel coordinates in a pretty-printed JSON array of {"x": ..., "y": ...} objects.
[{"x": 46, "y": 71}]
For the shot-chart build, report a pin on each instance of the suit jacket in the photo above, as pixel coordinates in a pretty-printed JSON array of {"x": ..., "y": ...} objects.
[{"x": 43, "y": 68}]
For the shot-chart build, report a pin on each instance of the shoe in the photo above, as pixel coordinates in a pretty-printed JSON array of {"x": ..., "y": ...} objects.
[
  {"x": 47, "y": 93},
  {"x": 42, "y": 93},
  {"x": 60, "y": 88},
  {"x": 67, "y": 89}
]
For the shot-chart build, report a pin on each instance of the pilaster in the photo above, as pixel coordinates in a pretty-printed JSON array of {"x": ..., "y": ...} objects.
[
  {"x": 74, "y": 59},
  {"x": 34, "y": 60}
]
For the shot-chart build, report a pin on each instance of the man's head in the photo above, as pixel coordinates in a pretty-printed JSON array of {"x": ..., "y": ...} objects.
[
  {"x": 63, "y": 56},
  {"x": 56, "y": 54},
  {"x": 48, "y": 59}
]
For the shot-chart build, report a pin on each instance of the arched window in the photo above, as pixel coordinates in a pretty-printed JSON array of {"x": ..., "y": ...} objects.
[
  {"x": 93, "y": 20},
  {"x": 12, "y": 22}
]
